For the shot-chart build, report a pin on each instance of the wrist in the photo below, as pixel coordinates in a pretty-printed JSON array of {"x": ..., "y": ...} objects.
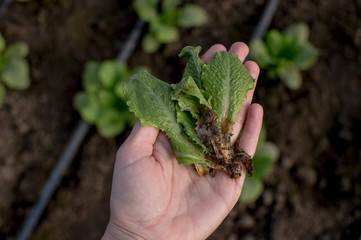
[{"x": 115, "y": 232}]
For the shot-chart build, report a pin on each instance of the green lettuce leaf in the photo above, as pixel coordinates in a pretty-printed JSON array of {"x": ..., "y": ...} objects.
[
  {"x": 226, "y": 82},
  {"x": 15, "y": 74},
  {"x": 252, "y": 189},
  {"x": 192, "y": 111},
  {"x": 188, "y": 125},
  {"x": 91, "y": 81},
  {"x": 150, "y": 44},
  {"x": 192, "y": 15},
  {"x": 189, "y": 97},
  {"x": 16, "y": 50},
  {"x": 300, "y": 31},
  {"x": 151, "y": 101},
  {"x": 194, "y": 66}
]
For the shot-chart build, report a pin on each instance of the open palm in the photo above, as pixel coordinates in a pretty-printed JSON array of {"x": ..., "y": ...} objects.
[{"x": 153, "y": 197}]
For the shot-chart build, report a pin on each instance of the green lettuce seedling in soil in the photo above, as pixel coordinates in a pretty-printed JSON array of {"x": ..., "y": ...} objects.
[
  {"x": 197, "y": 114},
  {"x": 266, "y": 155},
  {"x": 163, "y": 23},
  {"x": 285, "y": 54},
  {"x": 102, "y": 102},
  {"x": 14, "y": 69}
]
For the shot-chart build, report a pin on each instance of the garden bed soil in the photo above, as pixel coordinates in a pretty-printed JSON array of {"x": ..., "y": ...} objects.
[{"x": 314, "y": 190}]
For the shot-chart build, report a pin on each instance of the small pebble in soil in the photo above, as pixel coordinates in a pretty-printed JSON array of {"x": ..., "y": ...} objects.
[
  {"x": 346, "y": 184},
  {"x": 322, "y": 184},
  {"x": 7, "y": 174},
  {"x": 287, "y": 163},
  {"x": 261, "y": 212},
  {"x": 232, "y": 237},
  {"x": 307, "y": 175},
  {"x": 280, "y": 198},
  {"x": 357, "y": 38},
  {"x": 249, "y": 237},
  {"x": 268, "y": 197},
  {"x": 246, "y": 221}
]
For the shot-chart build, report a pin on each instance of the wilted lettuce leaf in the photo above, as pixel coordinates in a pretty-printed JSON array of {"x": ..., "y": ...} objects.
[{"x": 218, "y": 87}]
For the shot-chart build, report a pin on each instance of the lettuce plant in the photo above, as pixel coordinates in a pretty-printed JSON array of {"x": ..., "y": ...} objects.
[
  {"x": 14, "y": 70},
  {"x": 102, "y": 102},
  {"x": 266, "y": 154},
  {"x": 285, "y": 54},
  {"x": 163, "y": 23},
  {"x": 196, "y": 114}
]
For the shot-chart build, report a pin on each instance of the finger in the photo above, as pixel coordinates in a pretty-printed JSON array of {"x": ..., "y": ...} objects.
[
  {"x": 208, "y": 56},
  {"x": 162, "y": 145},
  {"x": 254, "y": 70},
  {"x": 241, "y": 49},
  {"x": 141, "y": 139},
  {"x": 249, "y": 138}
]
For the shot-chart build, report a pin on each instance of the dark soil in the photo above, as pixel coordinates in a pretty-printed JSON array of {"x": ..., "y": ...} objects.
[
  {"x": 35, "y": 124},
  {"x": 314, "y": 190}
]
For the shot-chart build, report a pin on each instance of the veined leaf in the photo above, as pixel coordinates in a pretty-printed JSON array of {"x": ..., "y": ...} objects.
[
  {"x": 188, "y": 125},
  {"x": 194, "y": 65},
  {"x": 189, "y": 97},
  {"x": 150, "y": 100},
  {"x": 191, "y": 114},
  {"x": 226, "y": 83}
]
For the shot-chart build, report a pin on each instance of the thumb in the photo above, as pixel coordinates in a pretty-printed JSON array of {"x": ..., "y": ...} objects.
[{"x": 140, "y": 140}]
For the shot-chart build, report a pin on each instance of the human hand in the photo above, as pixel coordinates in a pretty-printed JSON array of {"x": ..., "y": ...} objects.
[{"x": 154, "y": 197}]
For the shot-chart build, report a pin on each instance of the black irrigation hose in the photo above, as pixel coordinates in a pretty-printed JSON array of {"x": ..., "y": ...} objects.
[
  {"x": 54, "y": 179},
  {"x": 131, "y": 42},
  {"x": 266, "y": 19},
  {"x": 71, "y": 148},
  {"x": 83, "y": 127},
  {"x": 4, "y": 6}
]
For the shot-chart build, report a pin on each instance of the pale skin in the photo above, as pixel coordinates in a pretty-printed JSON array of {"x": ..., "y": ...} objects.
[{"x": 153, "y": 197}]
